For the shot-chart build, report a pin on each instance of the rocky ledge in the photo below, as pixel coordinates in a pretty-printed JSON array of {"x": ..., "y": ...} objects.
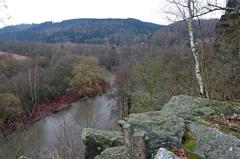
[
  {"x": 97, "y": 141},
  {"x": 198, "y": 128}
]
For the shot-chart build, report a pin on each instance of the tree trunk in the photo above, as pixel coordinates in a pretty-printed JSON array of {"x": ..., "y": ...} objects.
[
  {"x": 194, "y": 50},
  {"x": 203, "y": 69}
]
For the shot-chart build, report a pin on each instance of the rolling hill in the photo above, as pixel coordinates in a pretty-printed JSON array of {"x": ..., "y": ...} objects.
[
  {"x": 177, "y": 33},
  {"x": 90, "y": 31}
]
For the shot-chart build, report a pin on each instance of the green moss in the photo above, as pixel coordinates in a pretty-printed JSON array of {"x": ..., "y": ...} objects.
[
  {"x": 189, "y": 145},
  {"x": 189, "y": 142}
]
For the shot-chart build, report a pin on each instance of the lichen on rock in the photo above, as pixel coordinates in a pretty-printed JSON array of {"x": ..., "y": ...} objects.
[
  {"x": 210, "y": 143},
  {"x": 181, "y": 124},
  {"x": 168, "y": 127},
  {"x": 97, "y": 141}
]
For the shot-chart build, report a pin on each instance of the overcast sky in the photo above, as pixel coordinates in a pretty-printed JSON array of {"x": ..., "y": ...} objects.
[{"x": 37, "y": 11}]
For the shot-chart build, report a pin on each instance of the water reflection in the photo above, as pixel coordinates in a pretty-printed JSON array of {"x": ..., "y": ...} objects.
[{"x": 58, "y": 136}]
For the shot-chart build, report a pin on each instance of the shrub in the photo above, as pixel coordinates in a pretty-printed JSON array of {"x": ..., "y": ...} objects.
[
  {"x": 10, "y": 105},
  {"x": 87, "y": 77}
]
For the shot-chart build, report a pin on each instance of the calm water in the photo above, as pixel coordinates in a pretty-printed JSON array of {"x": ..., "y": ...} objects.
[{"x": 58, "y": 136}]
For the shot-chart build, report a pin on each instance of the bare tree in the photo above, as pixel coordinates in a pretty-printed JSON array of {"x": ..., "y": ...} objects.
[
  {"x": 227, "y": 5},
  {"x": 33, "y": 82},
  {"x": 187, "y": 10}
]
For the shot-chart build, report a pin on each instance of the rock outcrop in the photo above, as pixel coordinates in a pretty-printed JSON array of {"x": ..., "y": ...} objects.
[
  {"x": 185, "y": 114},
  {"x": 203, "y": 128},
  {"x": 227, "y": 47},
  {"x": 212, "y": 143},
  {"x": 97, "y": 141}
]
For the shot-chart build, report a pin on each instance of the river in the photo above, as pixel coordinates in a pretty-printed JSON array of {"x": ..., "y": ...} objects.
[{"x": 58, "y": 135}]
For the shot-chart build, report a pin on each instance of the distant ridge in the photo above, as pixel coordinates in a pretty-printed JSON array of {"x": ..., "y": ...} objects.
[
  {"x": 177, "y": 33},
  {"x": 91, "y": 31}
]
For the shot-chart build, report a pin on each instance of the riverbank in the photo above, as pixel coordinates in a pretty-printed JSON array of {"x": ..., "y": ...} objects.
[
  {"x": 48, "y": 107},
  {"x": 58, "y": 134}
]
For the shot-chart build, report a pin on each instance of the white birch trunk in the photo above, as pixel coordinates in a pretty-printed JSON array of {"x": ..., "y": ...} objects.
[{"x": 194, "y": 50}]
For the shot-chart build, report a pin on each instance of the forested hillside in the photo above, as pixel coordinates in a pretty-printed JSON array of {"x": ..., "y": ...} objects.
[
  {"x": 107, "y": 31},
  {"x": 92, "y": 31},
  {"x": 177, "y": 33}
]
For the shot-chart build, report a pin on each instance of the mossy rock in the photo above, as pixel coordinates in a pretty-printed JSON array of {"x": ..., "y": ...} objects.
[
  {"x": 210, "y": 143},
  {"x": 189, "y": 142},
  {"x": 97, "y": 141},
  {"x": 167, "y": 128}
]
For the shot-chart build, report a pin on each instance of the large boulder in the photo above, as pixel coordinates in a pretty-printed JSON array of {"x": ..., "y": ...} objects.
[
  {"x": 97, "y": 141},
  {"x": 211, "y": 143},
  {"x": 162, "y": 130},
  {"x": 168, "y": 128}
]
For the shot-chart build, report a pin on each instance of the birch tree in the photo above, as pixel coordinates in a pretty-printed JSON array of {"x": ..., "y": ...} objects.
[
  {"x": 190, "y": 7},
  {"x": 187, "y": 10}
]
